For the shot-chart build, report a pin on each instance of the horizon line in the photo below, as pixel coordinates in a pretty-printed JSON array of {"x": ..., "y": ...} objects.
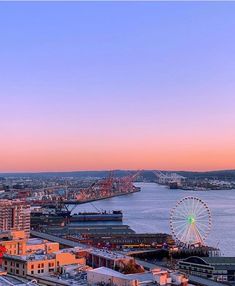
[{"x": 110, "y": 170}]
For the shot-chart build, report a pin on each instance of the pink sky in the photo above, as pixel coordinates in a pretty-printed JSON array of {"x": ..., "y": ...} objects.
[{"x": 92, "y": 86}]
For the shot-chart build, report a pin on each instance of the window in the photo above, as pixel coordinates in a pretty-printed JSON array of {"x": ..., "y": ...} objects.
[
  {"x": 32, "y": 266},
  {"x": 39, "y": 265},
  {"x": 38, "y": 270},
  {"x": 5, "y": 262},
  {"x": 17, "y": 265},
  {"x": 42, "y": 265},
  {"x": 17, "y": 271},
  {"x": 32, "y": 272}
]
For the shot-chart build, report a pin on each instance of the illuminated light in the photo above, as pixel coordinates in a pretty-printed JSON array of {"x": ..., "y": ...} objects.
[{"x": 191, "y": 219}]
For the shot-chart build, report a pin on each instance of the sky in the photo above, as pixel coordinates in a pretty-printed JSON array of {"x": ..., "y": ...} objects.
[{"x": 117, "y": 85}]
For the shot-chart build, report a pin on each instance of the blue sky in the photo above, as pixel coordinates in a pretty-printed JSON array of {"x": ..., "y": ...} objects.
[{"x": 121, "y": 74}]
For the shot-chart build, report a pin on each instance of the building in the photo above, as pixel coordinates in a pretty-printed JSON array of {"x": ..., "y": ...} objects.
[
  {"x": 37, "y": 264},
  {"x": 13, "y": 242},
  {"x": 17, "y": 243},
  {"x": 155, "y": 277},
  {"x": 160, "y": 277},
  {"x": 216, "y": 268},
  {"x": 6, "y": 280},
  {"x": 109, "y": 277},
  {"x": 105, "y": 258},
  {"x": 14, "y": 215},
  {"x": 136, "y": 240},
  {"x": 36, "y": 245}
]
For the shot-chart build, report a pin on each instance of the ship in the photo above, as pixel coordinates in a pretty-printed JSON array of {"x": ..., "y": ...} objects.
[
  {"x": 173, "y": 185},
  {"x": 61, "y": 217},
  {"x": 97, "y": 216},
  {"x": 48, "y": 216}
]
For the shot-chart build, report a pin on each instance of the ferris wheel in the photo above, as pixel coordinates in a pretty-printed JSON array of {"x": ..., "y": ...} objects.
[{"x": 190, "y": 221}]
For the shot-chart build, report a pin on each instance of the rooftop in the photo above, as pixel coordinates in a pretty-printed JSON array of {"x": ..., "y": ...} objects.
[
  {"x": 142, "y": 277},
  {"x": 213, "y": 261},
  {"x": 61, "y": 281},
  {"x": 10, "y": 281},
  {"x": 34, "y": 241},
  {"x": 108, "y": 254},
  {"x": 36, "y": 256},
  {"x": 219, "y": 260},
  {"x": 31, "y": 257},
  {"x": 110, "y": 272}
]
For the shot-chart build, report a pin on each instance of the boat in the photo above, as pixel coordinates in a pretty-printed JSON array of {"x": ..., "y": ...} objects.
[
  {"x": 97, "y": 216},
  {"x": 173, "y": 185},
  {"x": 63, "y": 217}
]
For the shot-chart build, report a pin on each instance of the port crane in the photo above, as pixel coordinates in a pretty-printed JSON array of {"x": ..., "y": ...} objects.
[
  {"x": 99, "y": 189},
  {"x": 167, "y": 178},
  {"x": 98, "y": 210}
]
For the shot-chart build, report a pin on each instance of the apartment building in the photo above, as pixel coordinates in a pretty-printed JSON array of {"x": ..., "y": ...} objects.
[
  {"x": 23, "y": 265},
  {"x": 17, "y": 243},
  {"x": 14, "y": 215}
]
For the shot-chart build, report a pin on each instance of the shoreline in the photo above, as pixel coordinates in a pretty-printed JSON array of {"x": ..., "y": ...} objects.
[{"x": 100, "y": 199}]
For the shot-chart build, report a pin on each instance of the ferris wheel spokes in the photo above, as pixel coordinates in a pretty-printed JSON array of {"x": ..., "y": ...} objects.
[{"x": 190, "y": 221}]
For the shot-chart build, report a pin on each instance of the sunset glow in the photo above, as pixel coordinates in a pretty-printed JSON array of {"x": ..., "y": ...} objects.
[{"x": 88, "y": 86}]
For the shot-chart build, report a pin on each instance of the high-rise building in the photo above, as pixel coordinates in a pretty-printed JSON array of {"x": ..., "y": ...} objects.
[{"x": 14, "y": 215}]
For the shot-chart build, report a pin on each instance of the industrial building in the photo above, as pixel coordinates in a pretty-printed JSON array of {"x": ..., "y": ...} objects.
[{"x": 216, "y": 268}]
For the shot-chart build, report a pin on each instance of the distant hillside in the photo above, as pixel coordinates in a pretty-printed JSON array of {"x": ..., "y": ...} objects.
[
  {"x": 221, "y": 174},
  {"x": 78, "y": 174},
  {"x": 146, "y": 175}
]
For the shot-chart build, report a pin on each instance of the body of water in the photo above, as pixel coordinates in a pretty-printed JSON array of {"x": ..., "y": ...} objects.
[{"x": 148, "y": 211}]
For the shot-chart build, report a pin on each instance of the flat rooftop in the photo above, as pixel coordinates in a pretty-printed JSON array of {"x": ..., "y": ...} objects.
[
  {"x": 107, "y": 254},
  {"x": 62, "y": 281},
  {"x": 10, "y": 281},
  {"x": 31, "y": 257},
  {"x": 219, "y": 260},
  {"x": 35, "y": 241},
  {"x": 110, "y": 272}
]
